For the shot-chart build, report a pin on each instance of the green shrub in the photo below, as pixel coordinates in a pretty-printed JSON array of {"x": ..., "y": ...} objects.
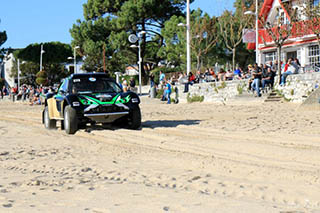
[
  {"x": 222, "y": 85},
  {"x": 194, "y": 98},
  {"x": 280, "y": 93},
  {"x": 292, "y": 92},
  {"x": 41, "y": 74},
  {"x": 159, "y": 93},
  {"x": 42, "y": 81},
  {"x": 42, "y": 78},
  {"x": 240, "y": 88}
]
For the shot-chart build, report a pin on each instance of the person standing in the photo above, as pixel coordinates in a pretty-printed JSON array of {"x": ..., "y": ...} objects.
[
  {"x": 124, "y": 85},
  {"x": 274, "y": 67},
  {"x": 168, "y": 92},
  {"x": 257, "y": 73},
  {"x": 132, "y": 84},
  {"x": 162, "y": 79},
  {"x": 151, "y": 80}
]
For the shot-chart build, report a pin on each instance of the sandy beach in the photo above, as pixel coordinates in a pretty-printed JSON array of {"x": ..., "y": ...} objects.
[{"x": 200, "y": 157}]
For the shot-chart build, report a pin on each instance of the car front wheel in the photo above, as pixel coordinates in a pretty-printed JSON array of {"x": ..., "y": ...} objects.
[
  {"x": 48, "y": 123},
  {"x": 134, "y": 120},
  {"x": 70, "y": 120}
]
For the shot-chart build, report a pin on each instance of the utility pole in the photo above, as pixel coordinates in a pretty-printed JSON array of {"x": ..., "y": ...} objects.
[
  {"x": 41, "y": 52},
  {"x": 18, "y": 73},
  {"x": 257, "y": 34},
  {"x": 188, "y": 38}
]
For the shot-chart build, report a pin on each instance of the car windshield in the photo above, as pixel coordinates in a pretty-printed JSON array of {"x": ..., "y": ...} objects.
[{"x": 89, "y": 84}]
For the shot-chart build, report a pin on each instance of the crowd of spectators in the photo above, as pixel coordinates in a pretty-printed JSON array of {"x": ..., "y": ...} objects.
[
  {"x": 259, "y": 77},
  {"x": 34, "y": 95}
]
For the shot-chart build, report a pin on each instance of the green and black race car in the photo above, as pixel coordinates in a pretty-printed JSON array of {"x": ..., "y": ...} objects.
[{"x": 90, "y": 98}]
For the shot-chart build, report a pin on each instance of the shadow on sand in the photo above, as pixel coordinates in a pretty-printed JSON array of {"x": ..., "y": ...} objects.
[
  {"x": 168, "y": 123},
  {"x": 146, "y": 124}
]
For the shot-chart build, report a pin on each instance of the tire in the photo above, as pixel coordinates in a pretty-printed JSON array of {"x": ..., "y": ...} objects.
[
  {"x": 48, "y": 123},
  {"x": 134, "y": 120},
  {"x": 70, "y": 120}
]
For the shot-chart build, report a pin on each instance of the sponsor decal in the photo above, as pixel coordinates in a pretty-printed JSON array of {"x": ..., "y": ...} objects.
[{"x": 92, "y": 79}]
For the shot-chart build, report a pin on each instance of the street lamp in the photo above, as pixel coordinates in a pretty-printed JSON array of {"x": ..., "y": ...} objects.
[
  {"x": 257, "y": 33},
  {"x": 188, "y": 37},
  {"x": 140, "y": 58},
  {"x": 74, "y": 58},
  {"x": 41, "y": 52},
  {"x": 19, "y": 73}
]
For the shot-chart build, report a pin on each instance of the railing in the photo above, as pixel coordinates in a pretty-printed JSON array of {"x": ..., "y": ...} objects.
[{"x": 311, "y": 68}]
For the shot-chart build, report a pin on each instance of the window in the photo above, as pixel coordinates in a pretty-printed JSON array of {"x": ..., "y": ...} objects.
[
  {"x": 94, "y": 84},
  {"x": 315, "y": 2},
  {"x": 282, "y": 18},
  {"x": 313, "y": 55},
  {"x": 270, "y": 56},
  {"x": 64, "y": 86}
]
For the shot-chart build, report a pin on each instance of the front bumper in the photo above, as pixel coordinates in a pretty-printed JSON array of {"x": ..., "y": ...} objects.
[{"x": 105, "y": 117}]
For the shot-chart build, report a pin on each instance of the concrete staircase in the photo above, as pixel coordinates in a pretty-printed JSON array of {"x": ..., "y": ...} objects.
[{"x": 273, "y": 97}]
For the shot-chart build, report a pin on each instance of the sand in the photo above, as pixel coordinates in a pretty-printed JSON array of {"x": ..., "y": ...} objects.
[{"x": 200, "y": 157}]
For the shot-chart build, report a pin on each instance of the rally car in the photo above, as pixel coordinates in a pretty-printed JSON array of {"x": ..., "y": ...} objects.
[{"x": 90, "y": 98}]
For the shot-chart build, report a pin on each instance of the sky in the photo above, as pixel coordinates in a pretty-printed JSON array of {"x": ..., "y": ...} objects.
[{"x": 37, "y": 21}]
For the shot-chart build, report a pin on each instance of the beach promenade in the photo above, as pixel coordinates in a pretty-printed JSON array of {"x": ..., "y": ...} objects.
[{"x": 199, "y": 157}]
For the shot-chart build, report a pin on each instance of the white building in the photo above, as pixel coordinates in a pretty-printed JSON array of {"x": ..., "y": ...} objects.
[
  {"x": 305, "y": 47},
  {"x": 132, "y": 70},
  {"x": 5, "y": 70}
]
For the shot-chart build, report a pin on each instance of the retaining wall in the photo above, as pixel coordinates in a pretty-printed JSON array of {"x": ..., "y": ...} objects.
[{"x": 297, "y": 89}]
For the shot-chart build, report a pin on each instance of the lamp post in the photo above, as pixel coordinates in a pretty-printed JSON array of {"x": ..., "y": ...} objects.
[
  {"x": 257, "y": 27},
  {"x": 41, "y": 52},
  {"x": 188, "y": 37},
  {"x": 74, "y": 58},
  {"x": 140, "y": 58},
  {"x": 18, "y": 73}
]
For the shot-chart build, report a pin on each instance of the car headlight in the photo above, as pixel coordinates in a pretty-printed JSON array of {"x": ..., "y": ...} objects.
[
  {"x": 134, "y": 100},
  {"x": 76, "y": 103}
]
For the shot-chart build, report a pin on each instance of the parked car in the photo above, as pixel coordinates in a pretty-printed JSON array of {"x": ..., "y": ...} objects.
[{"x": 90, "y": 98}]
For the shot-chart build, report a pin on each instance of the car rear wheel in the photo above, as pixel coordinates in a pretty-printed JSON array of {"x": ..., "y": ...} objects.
[
  {"x": 134, "y": 121},
  {"x": 48, "y": 123},
  {"x": 70, "y": 120}
]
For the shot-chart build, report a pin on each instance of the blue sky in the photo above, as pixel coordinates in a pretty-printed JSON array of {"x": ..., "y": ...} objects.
[{"x": 36, "y": 21}]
